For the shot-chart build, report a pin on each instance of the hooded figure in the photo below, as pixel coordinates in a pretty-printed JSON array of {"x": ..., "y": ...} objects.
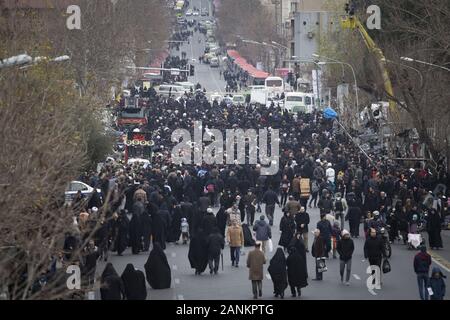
[
  {"x": 287, "y": 228},
  {"x": 277, "y": 271},
  {"x": 221, "y": 218},
  {"x": 111, "y": 284},
  {"x": 159, "y": 228},
  {"x": 134, "y": 283},
  {"x": 209, "y": 222},
  {"x": 297, "y": 273},
  {"x": 437, "y": 284},
  {"x": 136, "y": 233},
  {"x": 157, "y": 268},
  {"x": 175, "y": 228},
  {"x": 198, "y": 252},
  {"x": 121, "y": 242},
  {"x": 434, "y": 229}
]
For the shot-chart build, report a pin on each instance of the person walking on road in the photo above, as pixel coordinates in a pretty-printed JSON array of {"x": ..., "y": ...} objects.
[
  {"x": 263, "y": 232},
  {"x": 374, "y": 250},
  {"x": 216, "y": 243},
  {"x": 235, "y": 237},
  {"x": 345, "y": 248},
  {"x": 422, "y": 263},
  {"x": 302, "y": 221},
  {"x": 255, "y": 262},
  {"x": 297, "y": 271},
  {"x": 326, "y": 231},
  {"x": 278, "y": 273},
  {"x": 318, "y": 251},
  {"x": 270, "y": 198},
  {"x": 437, "y": 284}
]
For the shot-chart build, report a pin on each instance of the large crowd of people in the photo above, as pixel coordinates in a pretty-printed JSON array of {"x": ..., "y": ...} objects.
[{"x": 144, "y": 207}]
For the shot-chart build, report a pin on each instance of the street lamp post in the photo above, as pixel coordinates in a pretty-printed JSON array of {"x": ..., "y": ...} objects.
[
  {"x": 424, "y": 62},
  {"x": 342, "y": 63}
]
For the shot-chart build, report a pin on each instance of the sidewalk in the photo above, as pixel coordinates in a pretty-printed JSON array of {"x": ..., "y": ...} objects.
[{"x": 441, "y": 257}]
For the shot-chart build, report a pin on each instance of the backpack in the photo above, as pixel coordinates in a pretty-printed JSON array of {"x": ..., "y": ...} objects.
[{"x": 338, "y": 206}]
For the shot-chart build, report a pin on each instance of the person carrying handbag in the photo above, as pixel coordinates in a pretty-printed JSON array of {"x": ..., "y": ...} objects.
[{"x": 318, "y": 251}]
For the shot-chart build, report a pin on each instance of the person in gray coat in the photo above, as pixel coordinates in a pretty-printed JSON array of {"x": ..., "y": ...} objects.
[{"x": 263, "y": 232}]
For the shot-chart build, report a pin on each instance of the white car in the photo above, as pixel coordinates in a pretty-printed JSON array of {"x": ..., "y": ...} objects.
[
  {"x": 189, "y": 12},
  {"x": 196, "y": 13},
  {"x": 75, "y": 186}
]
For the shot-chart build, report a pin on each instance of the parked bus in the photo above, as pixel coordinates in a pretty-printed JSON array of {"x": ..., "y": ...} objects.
[{"x": 274, "y": 86}]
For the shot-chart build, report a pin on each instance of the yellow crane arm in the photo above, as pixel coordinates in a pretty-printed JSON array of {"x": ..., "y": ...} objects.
[{"x": 351, "y": 23}]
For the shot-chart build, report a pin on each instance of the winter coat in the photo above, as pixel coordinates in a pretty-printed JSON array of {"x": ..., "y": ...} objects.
[
  {"x": 302, "y": 218},
  {"x": 263, "y": 232},
  {"x": 215, "y": 243},
  {"x": 345, "y": 248},
  {"x": 437, "y": 285},
  {"x": 235, "y": 236},
  {"x": 296, "y": 267},
  {"x": 373, "y": 248},
  {"x": 422, "y": 263},
  {"x": 255, "y": 263}
]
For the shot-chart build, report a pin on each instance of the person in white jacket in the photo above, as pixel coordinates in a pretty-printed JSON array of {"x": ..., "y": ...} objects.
[{"x": 330, "y": 173}]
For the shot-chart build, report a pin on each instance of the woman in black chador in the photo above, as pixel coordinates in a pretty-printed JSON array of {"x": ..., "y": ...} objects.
[
  {"x": 157, "y": 268},
  {"x": 134, "y": 283},
  {"x": 278, "y": 273}
]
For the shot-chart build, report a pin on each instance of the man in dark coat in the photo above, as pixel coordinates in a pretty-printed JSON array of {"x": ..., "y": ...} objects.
[
  {"x": 134, "y": 283},
  {"x": 297, "y": 273},
  {"x": 302, "y": 221},
  {"x": 325, "y": 231},
  {"x": 111, "y": 285},
  {"x": 95, "y": 200},
  {"x": 157, "y": 268},
  {"x": 374, "y": 249},
  {"x": 209, "y": 222},
  {"x": 215, "y": 243},
  {"x": 278, "y": 273},
  {"x": 354, "y": 219},
  {"x": 198, "y": 252}
]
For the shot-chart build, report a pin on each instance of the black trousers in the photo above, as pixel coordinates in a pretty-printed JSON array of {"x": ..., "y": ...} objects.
[{"x": 214, "y": 263}]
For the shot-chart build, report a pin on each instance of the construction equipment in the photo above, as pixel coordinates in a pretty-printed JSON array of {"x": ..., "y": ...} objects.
[{"x": 350, "y": 21}]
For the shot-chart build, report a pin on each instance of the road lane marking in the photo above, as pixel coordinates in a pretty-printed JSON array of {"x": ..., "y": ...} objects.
[
  {"x": 356, "y": 277},
  {"x": 440, "y": 261}
]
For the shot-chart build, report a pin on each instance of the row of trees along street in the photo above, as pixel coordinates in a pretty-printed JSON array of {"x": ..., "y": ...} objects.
[
  {"x": 50, "y": 118},
  {"x": 416, "y": 29}
]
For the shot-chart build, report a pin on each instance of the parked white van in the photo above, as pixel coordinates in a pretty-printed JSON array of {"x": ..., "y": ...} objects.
[{"x": 298, "y": 102}]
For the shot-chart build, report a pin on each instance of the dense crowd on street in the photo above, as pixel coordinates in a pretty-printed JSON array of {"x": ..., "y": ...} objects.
[
  {"x": 145, "y": 207},
  {"x": 319, "y": 167}
]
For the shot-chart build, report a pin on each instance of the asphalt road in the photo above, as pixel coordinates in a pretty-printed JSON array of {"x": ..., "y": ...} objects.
[{"x": 232, "y": 283}]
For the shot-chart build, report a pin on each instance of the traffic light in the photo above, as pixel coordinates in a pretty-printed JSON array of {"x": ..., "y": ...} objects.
[{"x": 191, "y": 70}]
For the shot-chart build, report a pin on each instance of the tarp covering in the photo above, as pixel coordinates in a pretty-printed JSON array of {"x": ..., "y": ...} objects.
[
  {"x": 329, "y": 113},
  {"x": 245, "y": 66}
]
